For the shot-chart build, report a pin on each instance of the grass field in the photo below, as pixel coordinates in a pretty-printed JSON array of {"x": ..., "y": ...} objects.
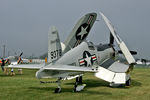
[{"x": 27, "y": 87}]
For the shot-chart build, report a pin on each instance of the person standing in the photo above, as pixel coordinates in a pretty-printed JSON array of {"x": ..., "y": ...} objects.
[
  {"x": 6, "y": 69},
  {"x": 12, "y": 72},
  {"x": 3, "y": 64}
]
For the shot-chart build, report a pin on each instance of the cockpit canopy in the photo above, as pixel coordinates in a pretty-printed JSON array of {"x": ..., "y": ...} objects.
[
  {"x": 102, "y": 47},
  {"x": 91, "y": 45}
]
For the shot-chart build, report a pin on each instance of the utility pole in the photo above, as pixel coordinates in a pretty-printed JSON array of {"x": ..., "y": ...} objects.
[
  {"x": 8, "y": 53},
  {"x": 4, "y": 51}
]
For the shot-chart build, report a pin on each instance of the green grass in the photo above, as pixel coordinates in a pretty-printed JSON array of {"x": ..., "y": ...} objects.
[{"x": 27, "y": 87}]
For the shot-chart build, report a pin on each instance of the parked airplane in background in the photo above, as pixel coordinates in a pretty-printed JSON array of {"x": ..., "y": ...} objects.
[
  {"x": 13, "y": 59},
  {"x": 143, "y": 62},
  {"x": 79, "y": 56}
]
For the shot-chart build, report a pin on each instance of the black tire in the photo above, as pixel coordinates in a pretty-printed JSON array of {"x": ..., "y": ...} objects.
[
  {"x": 57, "y": 90},
  {"x": 74, "y": 90},
  {"x": 128, "y": 82}
]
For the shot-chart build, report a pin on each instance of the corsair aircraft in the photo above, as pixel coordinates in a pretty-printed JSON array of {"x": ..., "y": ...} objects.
[{"x": 77, "y": 56}]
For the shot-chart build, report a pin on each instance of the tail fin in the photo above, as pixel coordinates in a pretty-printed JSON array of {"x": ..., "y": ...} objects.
[{"x": 54, "y": 46}]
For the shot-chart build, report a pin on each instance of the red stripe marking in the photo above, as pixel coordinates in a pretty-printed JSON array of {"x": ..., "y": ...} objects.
[
  {"x": 90, "y": 19},
  {"x": 82, "y": 61},
  {"x": 93, "y": 57}
]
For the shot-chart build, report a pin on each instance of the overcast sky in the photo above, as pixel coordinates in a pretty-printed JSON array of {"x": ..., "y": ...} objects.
[{"x": 24, "y": 24}]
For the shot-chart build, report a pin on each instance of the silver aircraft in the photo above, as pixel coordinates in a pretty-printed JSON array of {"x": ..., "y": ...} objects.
[
  {"x": 77, "y": 56},
  {"x": 14, "y": 59}
]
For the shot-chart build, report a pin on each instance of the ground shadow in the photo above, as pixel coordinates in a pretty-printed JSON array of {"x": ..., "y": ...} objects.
[
  {"x": 43, "y": 88},
  {"x": 92, "y": 83},
  {"x": 89, "y": 84},
  {"x": 68, "y": 90},
  {"x": 100, "y": 83},
  {"x": 97, "y": 92},
  {"x": 136, "y": 83},
  {"x": 4, "y": 75}
]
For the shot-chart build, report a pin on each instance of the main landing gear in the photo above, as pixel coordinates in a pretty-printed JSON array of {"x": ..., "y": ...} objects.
[
  {"x": 58, "y": 89},
  {"x": 78, "y": 85},
  {"x": 128, "y": 82}
]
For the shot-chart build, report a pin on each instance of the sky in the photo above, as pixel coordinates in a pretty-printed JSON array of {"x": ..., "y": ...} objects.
[{"x": 24, "y": 24}]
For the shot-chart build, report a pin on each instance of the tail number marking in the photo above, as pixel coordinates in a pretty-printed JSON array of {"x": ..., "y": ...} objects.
[{"x": 56, "y": 54}]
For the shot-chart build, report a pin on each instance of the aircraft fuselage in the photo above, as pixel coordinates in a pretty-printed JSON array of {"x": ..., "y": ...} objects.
[{"x": 85, "y": 55}]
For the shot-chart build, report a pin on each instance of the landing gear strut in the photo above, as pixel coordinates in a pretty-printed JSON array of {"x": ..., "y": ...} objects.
[
  {"x": 78, "y": 84},
  {"x": 58, "y": 89}
]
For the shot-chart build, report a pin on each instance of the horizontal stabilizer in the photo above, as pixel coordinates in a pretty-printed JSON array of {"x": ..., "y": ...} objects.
[
  {"x": 27, "y": 66},
  {"x": 54, "y": 67}
]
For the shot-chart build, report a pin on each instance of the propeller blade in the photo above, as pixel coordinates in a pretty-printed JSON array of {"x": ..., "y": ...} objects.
[
  {"x": 21, "y": 54},
  {"x": 111, "y": 38},
  {"x": 132, "y": 52},
  {"x": 19, "y": 58},
  {"x": 120, "y": 43}
]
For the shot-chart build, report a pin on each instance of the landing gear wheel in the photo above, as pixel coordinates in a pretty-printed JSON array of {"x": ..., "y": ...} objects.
[
  {"x": 57, "y": 90},
  {"x": 79, "y": 86},
  {"x": 128, "y": 82},
  {"x": 75, "y": 86}
]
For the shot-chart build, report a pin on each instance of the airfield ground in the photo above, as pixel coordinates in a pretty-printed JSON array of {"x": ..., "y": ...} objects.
[{"x": 27, "y": 87}]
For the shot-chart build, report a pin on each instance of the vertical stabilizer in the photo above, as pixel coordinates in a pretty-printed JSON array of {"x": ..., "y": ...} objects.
[{"x": 54, "y": 46}]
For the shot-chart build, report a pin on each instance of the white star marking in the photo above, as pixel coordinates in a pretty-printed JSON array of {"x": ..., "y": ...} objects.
[
  {"x": 83, "y": 31},
  {"x": 88, "y": 60}
]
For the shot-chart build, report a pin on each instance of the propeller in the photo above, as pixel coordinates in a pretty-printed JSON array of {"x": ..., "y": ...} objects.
[
  {"x": 21, "y": 54},
  {"x": 111, "y": 38},
  {"x": 19, "y": 58},
  {"x": 132, "y": 52},
  {"x": 123, "y": 48}
]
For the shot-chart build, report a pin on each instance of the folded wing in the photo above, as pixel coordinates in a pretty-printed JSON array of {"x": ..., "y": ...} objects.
[
  {"x": 113, "y": 72},
  {"x": 80, "y": 31},
  {"x": 120, "y": 43}
]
